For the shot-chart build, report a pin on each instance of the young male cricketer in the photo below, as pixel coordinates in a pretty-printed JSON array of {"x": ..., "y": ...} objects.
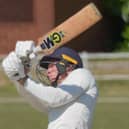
[{"x": 70, "y": 98}]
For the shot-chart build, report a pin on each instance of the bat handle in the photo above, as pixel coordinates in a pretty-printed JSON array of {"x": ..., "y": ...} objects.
[
  {"x": 32, "y": 56},
  {"x": 35, "y": 52},
  {"x": 37, "y": 49}
]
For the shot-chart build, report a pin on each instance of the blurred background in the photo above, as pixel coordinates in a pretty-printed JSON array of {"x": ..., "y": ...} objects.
[{"x": 104, "y": 49}]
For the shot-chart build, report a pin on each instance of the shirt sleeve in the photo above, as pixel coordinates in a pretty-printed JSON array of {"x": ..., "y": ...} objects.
[
  {"x": 31, "y": 99},
  {"x": 65, "y": 93}
]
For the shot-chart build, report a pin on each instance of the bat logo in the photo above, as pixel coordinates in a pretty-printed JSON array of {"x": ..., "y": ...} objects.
[{"x": 53, "y": 39}]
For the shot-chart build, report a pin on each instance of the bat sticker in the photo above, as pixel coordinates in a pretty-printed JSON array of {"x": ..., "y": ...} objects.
[{"x": 53, "y": 39}]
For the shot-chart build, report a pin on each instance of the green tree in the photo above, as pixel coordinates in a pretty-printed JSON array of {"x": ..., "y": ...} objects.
[{"x": 120, "y": 10}]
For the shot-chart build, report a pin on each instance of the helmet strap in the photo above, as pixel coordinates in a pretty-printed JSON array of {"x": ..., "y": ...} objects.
[
  {"x": 61, "y": 66},
  {"x": 55, "y": 82}
]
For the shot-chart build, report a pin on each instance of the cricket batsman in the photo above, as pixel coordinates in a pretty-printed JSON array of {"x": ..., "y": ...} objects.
[{"x": 66, "y": 90}]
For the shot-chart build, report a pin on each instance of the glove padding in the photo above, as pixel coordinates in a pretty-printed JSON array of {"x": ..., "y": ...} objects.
[
  {"x": 24, "y": 48},
  {"x": 13, "y": 67}
]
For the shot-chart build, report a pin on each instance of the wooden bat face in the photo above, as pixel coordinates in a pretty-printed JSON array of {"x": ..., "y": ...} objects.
[{"x": 69, "y": 29}]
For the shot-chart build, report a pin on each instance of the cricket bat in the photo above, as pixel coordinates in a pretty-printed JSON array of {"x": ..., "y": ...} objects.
[{"x": 69, "y": 29}]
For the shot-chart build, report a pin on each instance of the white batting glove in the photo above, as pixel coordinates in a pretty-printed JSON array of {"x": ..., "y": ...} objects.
[
  {"x": 13, "y": 67},
  {"x": 24, "y": 48},
  {"x": 24, "y": 51}
]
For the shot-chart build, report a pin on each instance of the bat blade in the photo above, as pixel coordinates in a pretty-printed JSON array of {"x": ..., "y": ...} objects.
[{"x": 69, "y": 29}]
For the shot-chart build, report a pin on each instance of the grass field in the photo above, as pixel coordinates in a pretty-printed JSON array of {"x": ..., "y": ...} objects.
[
  {"x": 22, "y": 116},
  {"x": 108, "y": 115}
]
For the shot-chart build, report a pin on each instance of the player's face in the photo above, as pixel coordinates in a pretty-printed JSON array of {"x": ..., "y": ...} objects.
[{"x": 52, "y": 71}]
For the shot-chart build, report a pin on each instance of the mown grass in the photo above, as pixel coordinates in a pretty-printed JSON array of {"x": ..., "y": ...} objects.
[
  {"x": 111, "y": 116},
  {"x": 22, "y": 116},
  {"x": 113, "y": 88}
]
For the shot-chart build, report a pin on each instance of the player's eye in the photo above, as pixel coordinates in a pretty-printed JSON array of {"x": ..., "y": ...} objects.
[{"x": 52, "y": 64}]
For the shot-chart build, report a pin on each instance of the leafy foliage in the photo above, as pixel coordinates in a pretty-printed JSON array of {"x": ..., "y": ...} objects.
[
  {"x": 120, "y": 9},
  {"x": 113, "y": 6},
  {"x": 125, "y": 12}
]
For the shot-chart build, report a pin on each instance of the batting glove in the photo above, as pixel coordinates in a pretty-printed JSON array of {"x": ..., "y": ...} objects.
[
  {"x": 24, "y": 48},
  {"x": 13, "y": 67},
  {"x": 24, "y": 51}
]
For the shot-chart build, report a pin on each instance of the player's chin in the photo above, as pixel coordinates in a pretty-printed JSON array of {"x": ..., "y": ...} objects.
[{"x": 52, "y": 80}]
